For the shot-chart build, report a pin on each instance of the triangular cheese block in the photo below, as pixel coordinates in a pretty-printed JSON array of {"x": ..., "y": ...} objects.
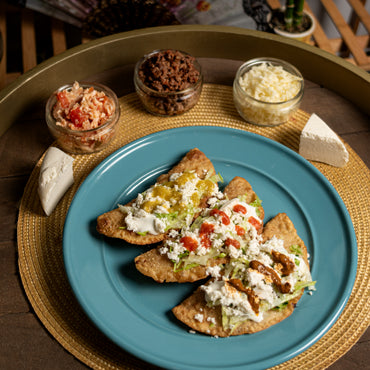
[
  {"x": 320, "y": 143},
  {"x": 56, "y": 176}
]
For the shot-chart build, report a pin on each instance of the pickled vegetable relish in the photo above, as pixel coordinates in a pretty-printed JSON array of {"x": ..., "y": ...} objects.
[
  {"x": 170, "y": 204},
  {"x": 82, "y": 109}
]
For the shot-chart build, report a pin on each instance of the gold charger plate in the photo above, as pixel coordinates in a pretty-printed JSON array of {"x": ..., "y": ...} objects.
[{"x": 40, "y": 237}]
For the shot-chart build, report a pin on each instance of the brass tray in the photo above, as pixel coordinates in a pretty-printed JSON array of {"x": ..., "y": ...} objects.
[{"x": 222, "y": 42}]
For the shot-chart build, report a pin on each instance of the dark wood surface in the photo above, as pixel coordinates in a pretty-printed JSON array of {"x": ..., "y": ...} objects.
[{"x": 24, "y": 342}]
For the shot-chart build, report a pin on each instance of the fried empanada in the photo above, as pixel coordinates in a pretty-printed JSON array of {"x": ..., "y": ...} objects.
[
  {"x": 195, "y": 313},
  {"x": 112, "y": 224},
  {"x": 159, "y": 267}
]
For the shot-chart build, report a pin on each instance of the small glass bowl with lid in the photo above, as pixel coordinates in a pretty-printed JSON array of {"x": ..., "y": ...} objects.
[
  {"x": 267, "y": 91},
  {"x": 82, "y": 117},
  {"x": 168, "y": 82}
]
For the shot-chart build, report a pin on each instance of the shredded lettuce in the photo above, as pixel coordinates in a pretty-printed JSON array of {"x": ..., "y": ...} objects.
[
  {"x": 303, "y": 284},
  {"x": 256, "y": 203},
  {"x": 216, "y": 178},
  {"x": 189, "y": 260},
  {"x": 296, "y": 249},
  {"x": 197, "y": 223},
  {"x": 281, "y": 306},
  {"x": 168, "y": 216},
  {"x": 230, "y": 321},
  {"x": 175, "y": 220},
  {"x": 171, "y": 219},
  {"x": 177, "y": 268},
  {"x": 183, "y": 255}
]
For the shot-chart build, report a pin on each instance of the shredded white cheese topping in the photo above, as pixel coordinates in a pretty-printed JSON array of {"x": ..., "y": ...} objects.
[
  {"x": 272, "y": 95},
  {"x": 268, "y": 83}
]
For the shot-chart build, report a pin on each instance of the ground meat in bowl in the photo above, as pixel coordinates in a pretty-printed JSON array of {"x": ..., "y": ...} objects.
[
  {"x": 168, "y": 82},
  {"x": 169, "y": 70}
]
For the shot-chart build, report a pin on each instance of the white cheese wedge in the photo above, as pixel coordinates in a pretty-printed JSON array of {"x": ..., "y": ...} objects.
[
  {"x": 56, "y": 176},
  {"x": 320, "y": 143}
]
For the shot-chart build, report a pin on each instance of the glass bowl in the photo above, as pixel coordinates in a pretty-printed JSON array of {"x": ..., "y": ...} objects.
[
  {"x": 86, "y": 140},
  {"x": 278, "y": 97},
  {"x": 164, "y": 87}
]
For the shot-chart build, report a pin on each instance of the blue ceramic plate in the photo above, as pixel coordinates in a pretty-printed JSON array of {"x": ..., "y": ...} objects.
[{"x": 135, "y": 312}]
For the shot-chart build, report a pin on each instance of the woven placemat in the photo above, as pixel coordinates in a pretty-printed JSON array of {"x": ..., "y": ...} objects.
[{"x": 40, "y": 237}]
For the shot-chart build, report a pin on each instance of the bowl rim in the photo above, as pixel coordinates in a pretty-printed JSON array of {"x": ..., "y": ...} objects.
[
  {"x": 141, "y": 85},
  {"x": 275, "y": 61},
  {"x": 112, "y": 120}
]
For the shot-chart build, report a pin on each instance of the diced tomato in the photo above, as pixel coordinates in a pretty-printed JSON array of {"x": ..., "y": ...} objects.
[
  {"x": 206, "y": 241},
  {"x": 224, "y": 217},
  {"x": 240, "y": 209},
  {"x": 77, "y": 117},
  {"x": 189, "y": 243},
  {"x": 239, "y": 230},
  {"x": 254, "y": 222},
  {"x": 206, "y": 229},
  {"x": 232, "y": 242},
  {"x": 63, "y": 99}
]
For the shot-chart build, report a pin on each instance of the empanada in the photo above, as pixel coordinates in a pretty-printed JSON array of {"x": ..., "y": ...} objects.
[
  {"x": 157, "y": 263},
  {"x": 193, "y": 166},
  {"x": 213, "y": 319}
]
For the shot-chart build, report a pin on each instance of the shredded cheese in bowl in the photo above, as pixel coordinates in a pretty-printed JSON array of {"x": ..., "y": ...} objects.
[{"x": 267, "y": 91}]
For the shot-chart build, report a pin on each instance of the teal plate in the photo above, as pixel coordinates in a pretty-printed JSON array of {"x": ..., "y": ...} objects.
[{"x": 135, "y": 312}]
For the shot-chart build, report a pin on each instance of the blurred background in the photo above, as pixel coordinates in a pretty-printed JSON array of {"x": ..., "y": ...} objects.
[{"x": 34, "y": 30}]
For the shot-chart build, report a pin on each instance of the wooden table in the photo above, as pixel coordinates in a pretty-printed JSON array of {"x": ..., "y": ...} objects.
[{"x": 24, "y": 342}]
